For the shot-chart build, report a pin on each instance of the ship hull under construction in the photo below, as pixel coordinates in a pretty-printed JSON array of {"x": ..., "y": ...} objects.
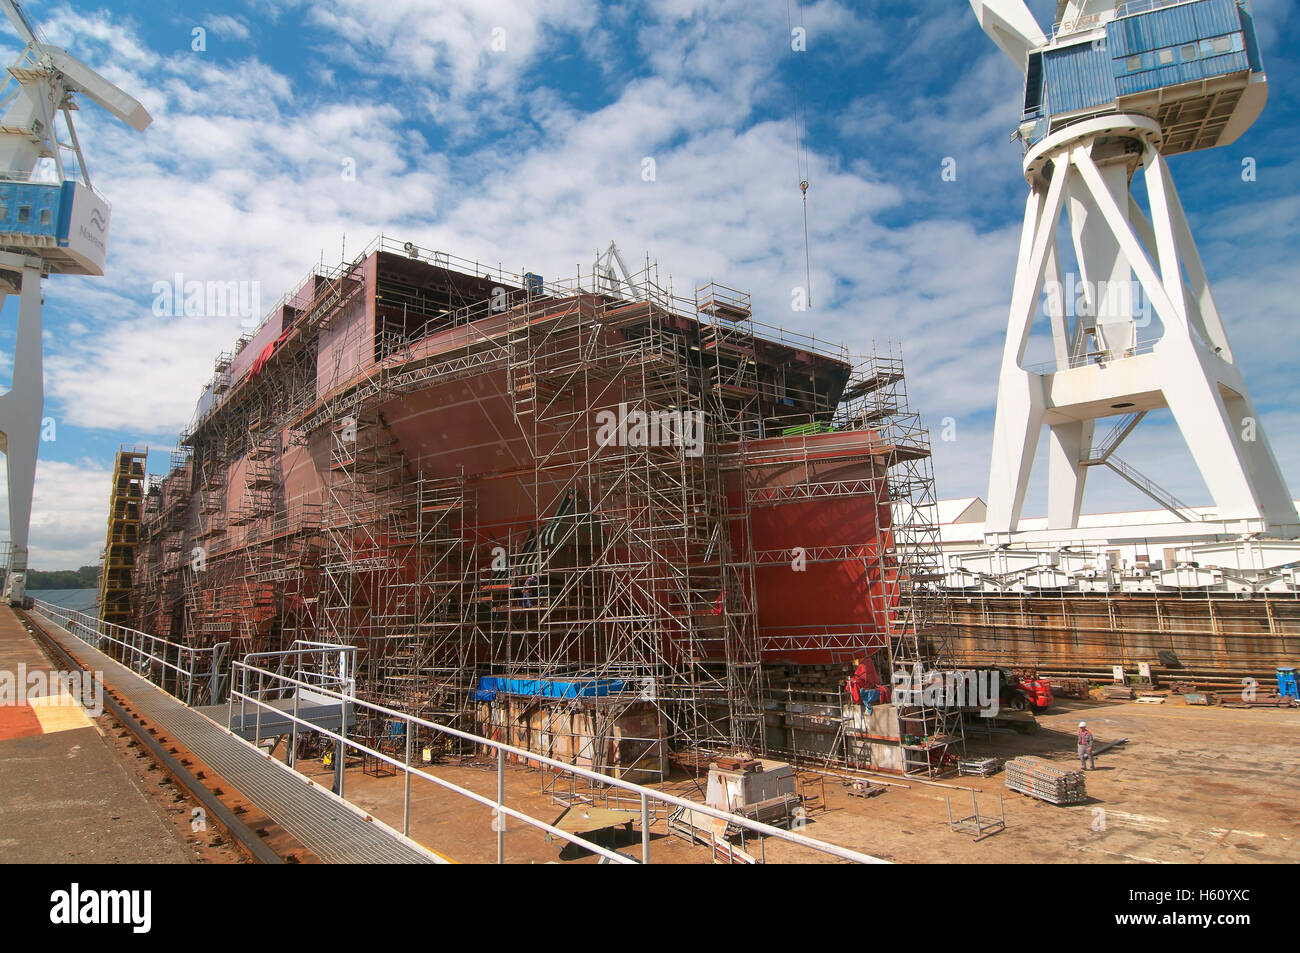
[{"x": 501, "y": 489}]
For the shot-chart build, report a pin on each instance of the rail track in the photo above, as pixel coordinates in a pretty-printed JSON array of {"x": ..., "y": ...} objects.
[{"x": 252, "y": 841}]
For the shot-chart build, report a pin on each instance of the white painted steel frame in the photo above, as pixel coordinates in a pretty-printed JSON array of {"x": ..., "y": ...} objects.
[
  {"x": 1190, "y": 369},
  {"x": 200, "y": 668},
  {"x": 20, "y": 416}
]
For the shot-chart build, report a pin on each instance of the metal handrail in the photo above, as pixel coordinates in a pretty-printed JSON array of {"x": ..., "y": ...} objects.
[
  {"x": 1087, "y": 359},
  {"x": 1123, "y": 8},
  {"x": 144, "y": 651},
  {"x": 1123, "y": 427},
  {"x": 1154, "y": 490},
  {"x": 1129, "y": 7},
  {"x": 409, "y": 722},
  {"x": 95, "y": 631}
]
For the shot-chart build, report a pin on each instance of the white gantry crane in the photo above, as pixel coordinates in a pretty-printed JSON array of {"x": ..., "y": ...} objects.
[
  {"x": 1115, "y": 89},
  {"x": 51, "y": 222}
]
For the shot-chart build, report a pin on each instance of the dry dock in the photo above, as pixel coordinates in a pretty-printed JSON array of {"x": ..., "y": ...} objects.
[{"x": 1192, "y": 785}]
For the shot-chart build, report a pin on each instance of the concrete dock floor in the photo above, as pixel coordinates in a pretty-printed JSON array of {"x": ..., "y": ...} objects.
[
  {"x": 1192, "y": 785},
  {"x": 65, "y": 794}
]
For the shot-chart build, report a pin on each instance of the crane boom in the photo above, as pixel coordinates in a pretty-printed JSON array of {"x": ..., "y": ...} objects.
[{"x": 1010, "y": 25}]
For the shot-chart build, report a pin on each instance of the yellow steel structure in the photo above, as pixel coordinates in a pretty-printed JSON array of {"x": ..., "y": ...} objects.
[{"x": 124, "y": 504}]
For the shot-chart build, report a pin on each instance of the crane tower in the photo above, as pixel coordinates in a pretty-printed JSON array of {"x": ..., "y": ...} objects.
[
  {"x": 1115, "y": 89},
  {"x": 51, "y": 222}
]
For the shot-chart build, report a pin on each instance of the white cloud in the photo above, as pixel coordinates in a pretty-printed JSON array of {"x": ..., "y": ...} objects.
[
  {"x": 473, "y": 46},
  {"x": 227, "y": 27},
  {"x": 79, "y": 32},
  {"x": 240, "y": 178},
  {"x": 69, "y": 513}
]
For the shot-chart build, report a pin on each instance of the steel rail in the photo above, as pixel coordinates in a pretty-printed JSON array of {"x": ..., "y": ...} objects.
[
  {"x": 224, "y": 816},
  {"x": 134, "y": 651}
]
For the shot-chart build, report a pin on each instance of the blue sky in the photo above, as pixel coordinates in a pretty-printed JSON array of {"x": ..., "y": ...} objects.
[{"x": 532, "y": 154}]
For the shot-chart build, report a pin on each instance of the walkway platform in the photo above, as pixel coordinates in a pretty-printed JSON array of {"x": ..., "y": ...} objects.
[
  {"x": 275, "y": 719},
  {"x": 334, "y": 830}
]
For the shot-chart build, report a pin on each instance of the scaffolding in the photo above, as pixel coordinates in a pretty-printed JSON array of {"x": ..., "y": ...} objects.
[
  {"x": 623, "y": 580},
  {"x": 619, "y": 587},
  {"x": 864, "y": 447},
  {"x": 160, "y": 599},
  {"x": 911, "y": 596},
  {"x": 425, "y": 672},
  {"x": 241, "y": 564},
  {"x": 125, "y": 502}
]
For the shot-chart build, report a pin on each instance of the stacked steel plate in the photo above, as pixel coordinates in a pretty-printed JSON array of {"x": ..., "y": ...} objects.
[
  {"x": 983, "y": 767},
  {"x": 1044, "y": 780}
]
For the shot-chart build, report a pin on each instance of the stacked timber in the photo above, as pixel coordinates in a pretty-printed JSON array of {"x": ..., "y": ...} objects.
[
  {"x": 1069, "y": 687},
  {"x": 1045, "y": 781},
  {"x": 807, "y": 678}
]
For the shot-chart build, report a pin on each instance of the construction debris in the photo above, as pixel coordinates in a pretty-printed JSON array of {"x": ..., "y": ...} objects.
[
  {"x": 863, "y": 789},
  {"x": 1045, "y": 781},
  {"x": 1259, "y": 701},
  {"x": 975, "y": 825},
  {"x": 982, "y": 767},
  {"x": 1069, "y": 687}
]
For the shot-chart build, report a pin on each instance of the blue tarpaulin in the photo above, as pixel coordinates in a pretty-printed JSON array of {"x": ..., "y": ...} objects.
[{"x": 546, "y": 688}]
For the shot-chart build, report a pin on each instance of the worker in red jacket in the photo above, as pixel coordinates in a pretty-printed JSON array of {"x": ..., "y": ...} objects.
[
  {"x": 1086, "y": 759},
  {"x": 862, "y": 685}
]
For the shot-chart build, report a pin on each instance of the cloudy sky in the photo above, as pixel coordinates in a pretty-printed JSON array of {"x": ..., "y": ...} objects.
[{"x": 506, "y": 130}]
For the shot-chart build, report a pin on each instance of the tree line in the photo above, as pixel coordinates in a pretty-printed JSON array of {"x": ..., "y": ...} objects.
[{"x": 87, "y": 577}]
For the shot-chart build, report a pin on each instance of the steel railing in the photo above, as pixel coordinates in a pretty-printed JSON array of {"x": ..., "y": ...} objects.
[
  {"x": 1089, "y": 358},
  {"x": 196, "y": 674},
  {"x": 267, "y": 682},
  {"x": 149, "y": 655}
]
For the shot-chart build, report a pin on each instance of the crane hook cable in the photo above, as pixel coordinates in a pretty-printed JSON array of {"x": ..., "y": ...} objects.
[{"x": 800, "y": 88}]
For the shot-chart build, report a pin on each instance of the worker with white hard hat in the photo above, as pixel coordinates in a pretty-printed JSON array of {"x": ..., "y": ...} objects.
[{"x": 1086, "y": 760}]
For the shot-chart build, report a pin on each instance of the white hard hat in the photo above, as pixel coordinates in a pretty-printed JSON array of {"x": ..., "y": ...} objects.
[{"x": 1083, "y": 724}]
